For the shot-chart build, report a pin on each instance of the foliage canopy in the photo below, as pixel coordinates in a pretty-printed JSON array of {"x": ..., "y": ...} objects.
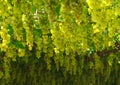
[{"x": 59, "y": 42}]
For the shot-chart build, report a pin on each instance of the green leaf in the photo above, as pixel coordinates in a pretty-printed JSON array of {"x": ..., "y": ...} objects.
[
  {"x": 33, "y": 9},
  {"x": 38, "y": 32},
  {"x": 18, "y": 44},
  {"x": 58, "y": 9},
  {"x": 10, "y": 29}
]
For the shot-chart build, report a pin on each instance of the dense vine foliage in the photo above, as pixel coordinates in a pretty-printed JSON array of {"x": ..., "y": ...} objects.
[{"x": 59, "y": 42}]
